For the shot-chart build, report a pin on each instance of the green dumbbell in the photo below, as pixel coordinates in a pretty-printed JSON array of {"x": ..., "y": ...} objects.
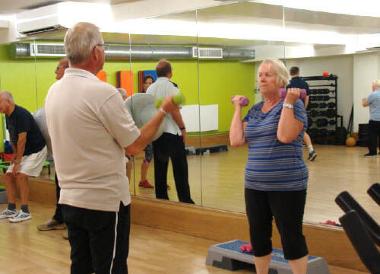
[{"x": 178, "y": 99}]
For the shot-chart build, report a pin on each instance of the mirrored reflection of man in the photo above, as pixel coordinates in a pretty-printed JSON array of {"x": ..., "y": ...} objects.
[
  {"x": 90, "y": 136},
  {"x": 373, "y": 102},
  {"x": 56, "y": 222},
  {"x": 29, "y": 155},
  {"x": 172, "y": 142}
]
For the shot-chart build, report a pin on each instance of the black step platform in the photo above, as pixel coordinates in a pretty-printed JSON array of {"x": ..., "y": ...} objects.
[
  {"x": 206, "y": 150},
  {"x": 229, "y": 256}
]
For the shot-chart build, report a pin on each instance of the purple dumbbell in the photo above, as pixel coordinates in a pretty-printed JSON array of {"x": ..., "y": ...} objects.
[
  {"x": 243, "y": 101},
  {"x": 302, "y": 93}
]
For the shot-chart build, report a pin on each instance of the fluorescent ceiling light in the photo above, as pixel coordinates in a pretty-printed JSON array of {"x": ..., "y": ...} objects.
[
  {"x": 349, "y": 7},
  {"x": 228, "y": 31}
]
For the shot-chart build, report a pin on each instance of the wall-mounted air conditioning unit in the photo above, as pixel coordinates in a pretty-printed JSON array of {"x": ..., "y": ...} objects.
[
  {"x": 44, "y": 19},
  {"x": 61, "y": 16}
]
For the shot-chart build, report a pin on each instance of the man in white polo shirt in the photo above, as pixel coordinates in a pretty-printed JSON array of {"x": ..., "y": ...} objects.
[
  {"x": 171, "y": 144},
  {"x": 90, "y": 132}
]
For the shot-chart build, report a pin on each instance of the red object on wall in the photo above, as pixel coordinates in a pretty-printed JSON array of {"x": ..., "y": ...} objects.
[
  {"x": 125, "y": 80},
  {"x": 8, "y": 156},
  {"x": 102, "y": 75},
  {"x": 325, "y": 74}
]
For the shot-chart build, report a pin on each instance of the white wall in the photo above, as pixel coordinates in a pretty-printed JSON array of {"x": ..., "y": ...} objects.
[
  {"x": 366, "y": 69},
  {"x": 342, "y": 66}
]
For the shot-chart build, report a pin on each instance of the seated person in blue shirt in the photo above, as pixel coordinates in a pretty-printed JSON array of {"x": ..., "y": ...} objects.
[{"x": 275, "y": 175}]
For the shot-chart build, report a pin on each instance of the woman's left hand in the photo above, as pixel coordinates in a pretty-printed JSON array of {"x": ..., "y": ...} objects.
[{"x": 292, "y": 95}]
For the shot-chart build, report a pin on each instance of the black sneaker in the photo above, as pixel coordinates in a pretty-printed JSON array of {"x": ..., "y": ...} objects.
[
  {"x": 370, "y": 155},
  {"x": 312, "y": 155}
]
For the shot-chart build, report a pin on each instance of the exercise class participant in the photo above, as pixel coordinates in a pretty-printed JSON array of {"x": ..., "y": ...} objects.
[
  {"x": 275, "y": 174},
  {"x": 171, "y": 144},
  {"x": 90, "y": 132},
  {"x": 373, "y": 102}
]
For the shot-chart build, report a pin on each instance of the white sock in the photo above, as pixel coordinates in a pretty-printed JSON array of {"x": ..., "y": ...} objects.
[{"x": 310, "y": 148}]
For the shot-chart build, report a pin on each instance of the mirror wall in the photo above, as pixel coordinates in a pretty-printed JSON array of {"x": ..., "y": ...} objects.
[
  {"x": 147, "y": 50},
  {"x": 333, "y": 46},
  {"x": 215, "y": 57},
  {"x": 239, "y": 29}
]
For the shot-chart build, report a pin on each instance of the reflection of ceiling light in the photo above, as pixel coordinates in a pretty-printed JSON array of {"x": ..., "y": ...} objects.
[
  {"x": 349, "y": 7},
  {"x": 229, "y": 31}
]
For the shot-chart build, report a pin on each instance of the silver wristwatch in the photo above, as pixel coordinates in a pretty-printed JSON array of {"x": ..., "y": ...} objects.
[{"x": 287, "y": 105}]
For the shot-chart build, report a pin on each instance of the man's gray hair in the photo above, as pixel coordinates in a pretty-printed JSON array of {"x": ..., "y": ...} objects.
[
  {"x": 80, "y": 40},
  {"x": 7, "y": 96},
  {"x": 280, "y": 69}
]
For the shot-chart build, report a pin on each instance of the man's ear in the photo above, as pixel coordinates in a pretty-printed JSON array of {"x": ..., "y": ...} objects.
[{"x": 96, "y": 54}]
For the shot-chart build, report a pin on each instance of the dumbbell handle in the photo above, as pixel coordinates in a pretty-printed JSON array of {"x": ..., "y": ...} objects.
[
  {"x": 243, "y": 101},
  {"x": 302, "y": 93}
]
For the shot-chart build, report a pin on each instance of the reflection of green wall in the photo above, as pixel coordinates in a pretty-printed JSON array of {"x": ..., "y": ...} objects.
[
  {"x": 29, "y": 81},
  {"x": 218, "y": 82}
]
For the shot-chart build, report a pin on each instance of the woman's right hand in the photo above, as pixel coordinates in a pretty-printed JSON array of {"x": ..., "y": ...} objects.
[{"x": 236, "y": 100}]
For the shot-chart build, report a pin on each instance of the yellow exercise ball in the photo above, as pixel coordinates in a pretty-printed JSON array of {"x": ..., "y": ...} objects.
[{"x": 350, "y": 142}]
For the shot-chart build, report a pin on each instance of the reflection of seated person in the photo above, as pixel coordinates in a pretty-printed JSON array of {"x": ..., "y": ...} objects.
[
  {"x": 148, "y": 156},
  {"x": 148, "y": 80},
  {"x": 123, "y": 94}
]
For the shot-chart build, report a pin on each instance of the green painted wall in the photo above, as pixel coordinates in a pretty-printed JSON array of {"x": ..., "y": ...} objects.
[{"x": 29, "y": 80}]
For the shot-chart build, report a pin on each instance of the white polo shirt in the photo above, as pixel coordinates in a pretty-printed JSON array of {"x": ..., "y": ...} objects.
[
  {"x": 160, "y": 89},
  {"x": 89, "y": 129}
]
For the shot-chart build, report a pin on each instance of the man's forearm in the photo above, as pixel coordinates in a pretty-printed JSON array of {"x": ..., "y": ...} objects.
[
  {"x": 19, "y": 150},
  {"x": 177, "y": 117}
]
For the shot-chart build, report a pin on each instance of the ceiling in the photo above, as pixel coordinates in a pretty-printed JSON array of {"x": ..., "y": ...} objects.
[
  {"x": 258, "y": 13},
  {"x": 253, "y": 16},
  {"x": 12, "y": 6}
]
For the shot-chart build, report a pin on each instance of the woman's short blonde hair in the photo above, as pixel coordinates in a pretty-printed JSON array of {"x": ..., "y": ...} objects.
[
  {"x": 376, "y": 84},
  {"x": 280, "y": 70}
]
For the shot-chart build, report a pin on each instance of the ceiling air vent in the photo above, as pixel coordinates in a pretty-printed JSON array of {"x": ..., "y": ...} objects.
[
  {"x": 207, "y": 53},
  {"x": 47, "y": 50},
  {"x": 137, "y": 52}
]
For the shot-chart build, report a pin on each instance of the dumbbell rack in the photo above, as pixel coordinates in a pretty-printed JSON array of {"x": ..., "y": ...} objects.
[{"x": 322, "y": 109}]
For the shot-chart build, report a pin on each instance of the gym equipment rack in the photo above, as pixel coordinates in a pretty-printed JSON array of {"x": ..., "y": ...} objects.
[{"x": 322, "y": 110}]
